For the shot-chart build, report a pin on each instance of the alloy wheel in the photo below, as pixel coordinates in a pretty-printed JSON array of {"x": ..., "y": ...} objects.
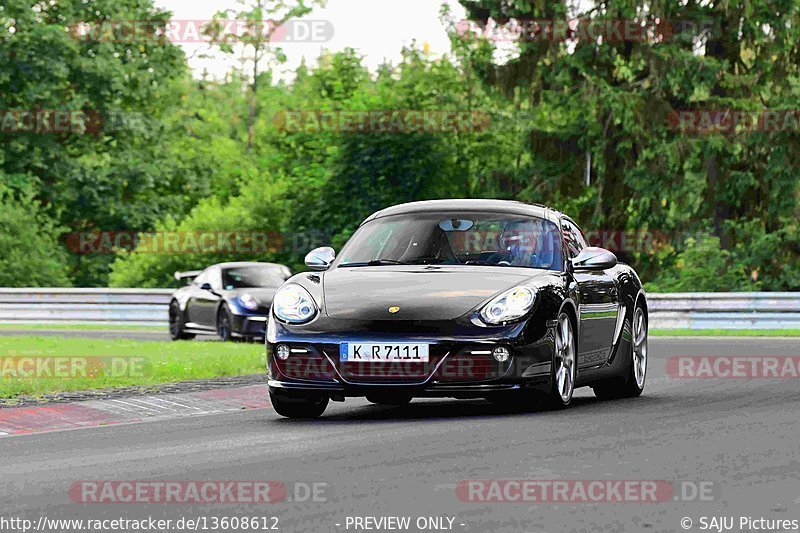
[
  {"x": 639, "y": 347},
  {"x": 174, "y": 321},
  {"x": 565, "y": 359},
  {"x": 224, "y": 326}
]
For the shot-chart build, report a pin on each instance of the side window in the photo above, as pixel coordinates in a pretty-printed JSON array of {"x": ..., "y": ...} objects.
[{"x": 573, "y": 238}]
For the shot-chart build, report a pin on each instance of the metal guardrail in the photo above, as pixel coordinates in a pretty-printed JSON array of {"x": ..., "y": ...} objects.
[
  {"x": 134, "y": 307},
  {"x": 148, "y": 307},
  {"x": 725, "y": 310}
]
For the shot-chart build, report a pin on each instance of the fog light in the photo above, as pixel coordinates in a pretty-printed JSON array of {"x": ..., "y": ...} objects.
[
  {"x": 501, "y": 354},
  {"x": 283, "y": 352}
]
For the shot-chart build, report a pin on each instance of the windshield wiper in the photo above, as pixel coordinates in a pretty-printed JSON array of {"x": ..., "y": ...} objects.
[
  {"x": 374, "y": 262},
  {"x": 486, "y": 263}
]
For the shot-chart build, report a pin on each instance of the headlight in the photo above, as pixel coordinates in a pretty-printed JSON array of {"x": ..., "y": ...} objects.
[
  {"x": 510, "y": 305},
  {"x": 248, "y": 302},
  {"x": 293, "y": 304}
]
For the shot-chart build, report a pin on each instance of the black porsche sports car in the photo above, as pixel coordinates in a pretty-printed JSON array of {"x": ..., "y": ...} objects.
[
  {"x": 231, "y": 300},
  {"x": 458, "y": 298}
]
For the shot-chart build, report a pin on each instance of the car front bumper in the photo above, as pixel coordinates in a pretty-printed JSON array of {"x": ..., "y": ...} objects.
[
  {"x": 435, "y": 390},
  {"x": 461, "y": 363},
  {"x": 249, "y": 325}
]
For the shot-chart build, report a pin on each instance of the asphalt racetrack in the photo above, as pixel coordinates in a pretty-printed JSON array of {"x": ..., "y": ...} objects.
[{"x": 726, "y": 447}]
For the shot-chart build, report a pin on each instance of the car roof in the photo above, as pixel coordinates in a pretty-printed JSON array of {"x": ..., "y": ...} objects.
[{"x": 499, "y": 206}]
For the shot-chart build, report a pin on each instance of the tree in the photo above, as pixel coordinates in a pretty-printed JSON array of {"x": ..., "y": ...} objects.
[
  {"x": 612, "y": 99},
  {"x": 112, "y": 170},
  {"x": 321, "y": 184},
  {"x": 264, "y": 19}
]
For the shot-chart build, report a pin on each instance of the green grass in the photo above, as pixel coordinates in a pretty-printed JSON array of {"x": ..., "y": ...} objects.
[
  {"x": 80, "y": 327},
  {"x": 725, "y": 332},
  {"x": 133, "y": 363}
]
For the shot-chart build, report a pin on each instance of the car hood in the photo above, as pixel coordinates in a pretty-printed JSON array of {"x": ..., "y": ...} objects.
[
  {"x": 262, "y": 295},
  {"x": 421, "y": 292}
]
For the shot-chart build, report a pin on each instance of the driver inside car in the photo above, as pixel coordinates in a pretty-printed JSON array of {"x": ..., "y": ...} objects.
[{"x": 526, "y": 244}]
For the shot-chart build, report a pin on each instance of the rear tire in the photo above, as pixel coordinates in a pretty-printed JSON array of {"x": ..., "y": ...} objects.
[
  {"x": 176, "y": 323},
  {"x": 632, "y": 383},
  {"x": 298, "y": 407}
]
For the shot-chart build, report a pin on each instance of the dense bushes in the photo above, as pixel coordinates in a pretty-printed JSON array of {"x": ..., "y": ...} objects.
[{"x": 30, "y": 254}]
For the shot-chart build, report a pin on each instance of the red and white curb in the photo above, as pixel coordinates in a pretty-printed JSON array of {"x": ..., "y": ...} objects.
[{"x": 95, "y": 413}]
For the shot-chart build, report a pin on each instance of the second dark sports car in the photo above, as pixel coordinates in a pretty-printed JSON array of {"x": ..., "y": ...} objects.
[
  {"x": 231, "y": 300},
  {"x": 458, "y": 298}
]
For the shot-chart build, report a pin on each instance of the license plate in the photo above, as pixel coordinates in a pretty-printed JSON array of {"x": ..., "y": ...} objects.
[{"x": 359, "y": 351}]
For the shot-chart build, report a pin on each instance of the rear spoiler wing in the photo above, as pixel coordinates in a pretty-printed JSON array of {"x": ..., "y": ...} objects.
[{"x": 188, "y": 275}]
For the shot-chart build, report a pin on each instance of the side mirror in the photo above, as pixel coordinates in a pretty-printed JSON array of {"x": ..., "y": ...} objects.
[
  {"x": 206, "y": 286},
  {"x": 593, "y": 258},
  {"x": 320, "y": 258}
]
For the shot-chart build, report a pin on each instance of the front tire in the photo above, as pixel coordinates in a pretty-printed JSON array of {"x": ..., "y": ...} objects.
[
  {"x": 176, "y": 323},
  {"x": 224, "y": 325},
  {"x": 298, "y": 407},
  {"x": 562, "y": 375},
  {"x": 632, "y": 383}
]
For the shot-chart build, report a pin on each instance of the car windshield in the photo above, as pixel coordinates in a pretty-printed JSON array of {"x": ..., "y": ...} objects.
[
  {"x": 455, "y": 239},
  {"x": 251, "y": 276}
]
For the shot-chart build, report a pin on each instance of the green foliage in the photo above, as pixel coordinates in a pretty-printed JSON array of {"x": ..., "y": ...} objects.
[
  {"x": 117, "y": 173},
  {"x": 770, "y": 257},
  {"x": 30, "y": 254},
  {"x": 313, "y": 188},
  {"x": 263, "y": 20},
  {"x": 613, "y": 101},
  {"x": 256, "y": 210},
  {"x": 703, "y": 267}
]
